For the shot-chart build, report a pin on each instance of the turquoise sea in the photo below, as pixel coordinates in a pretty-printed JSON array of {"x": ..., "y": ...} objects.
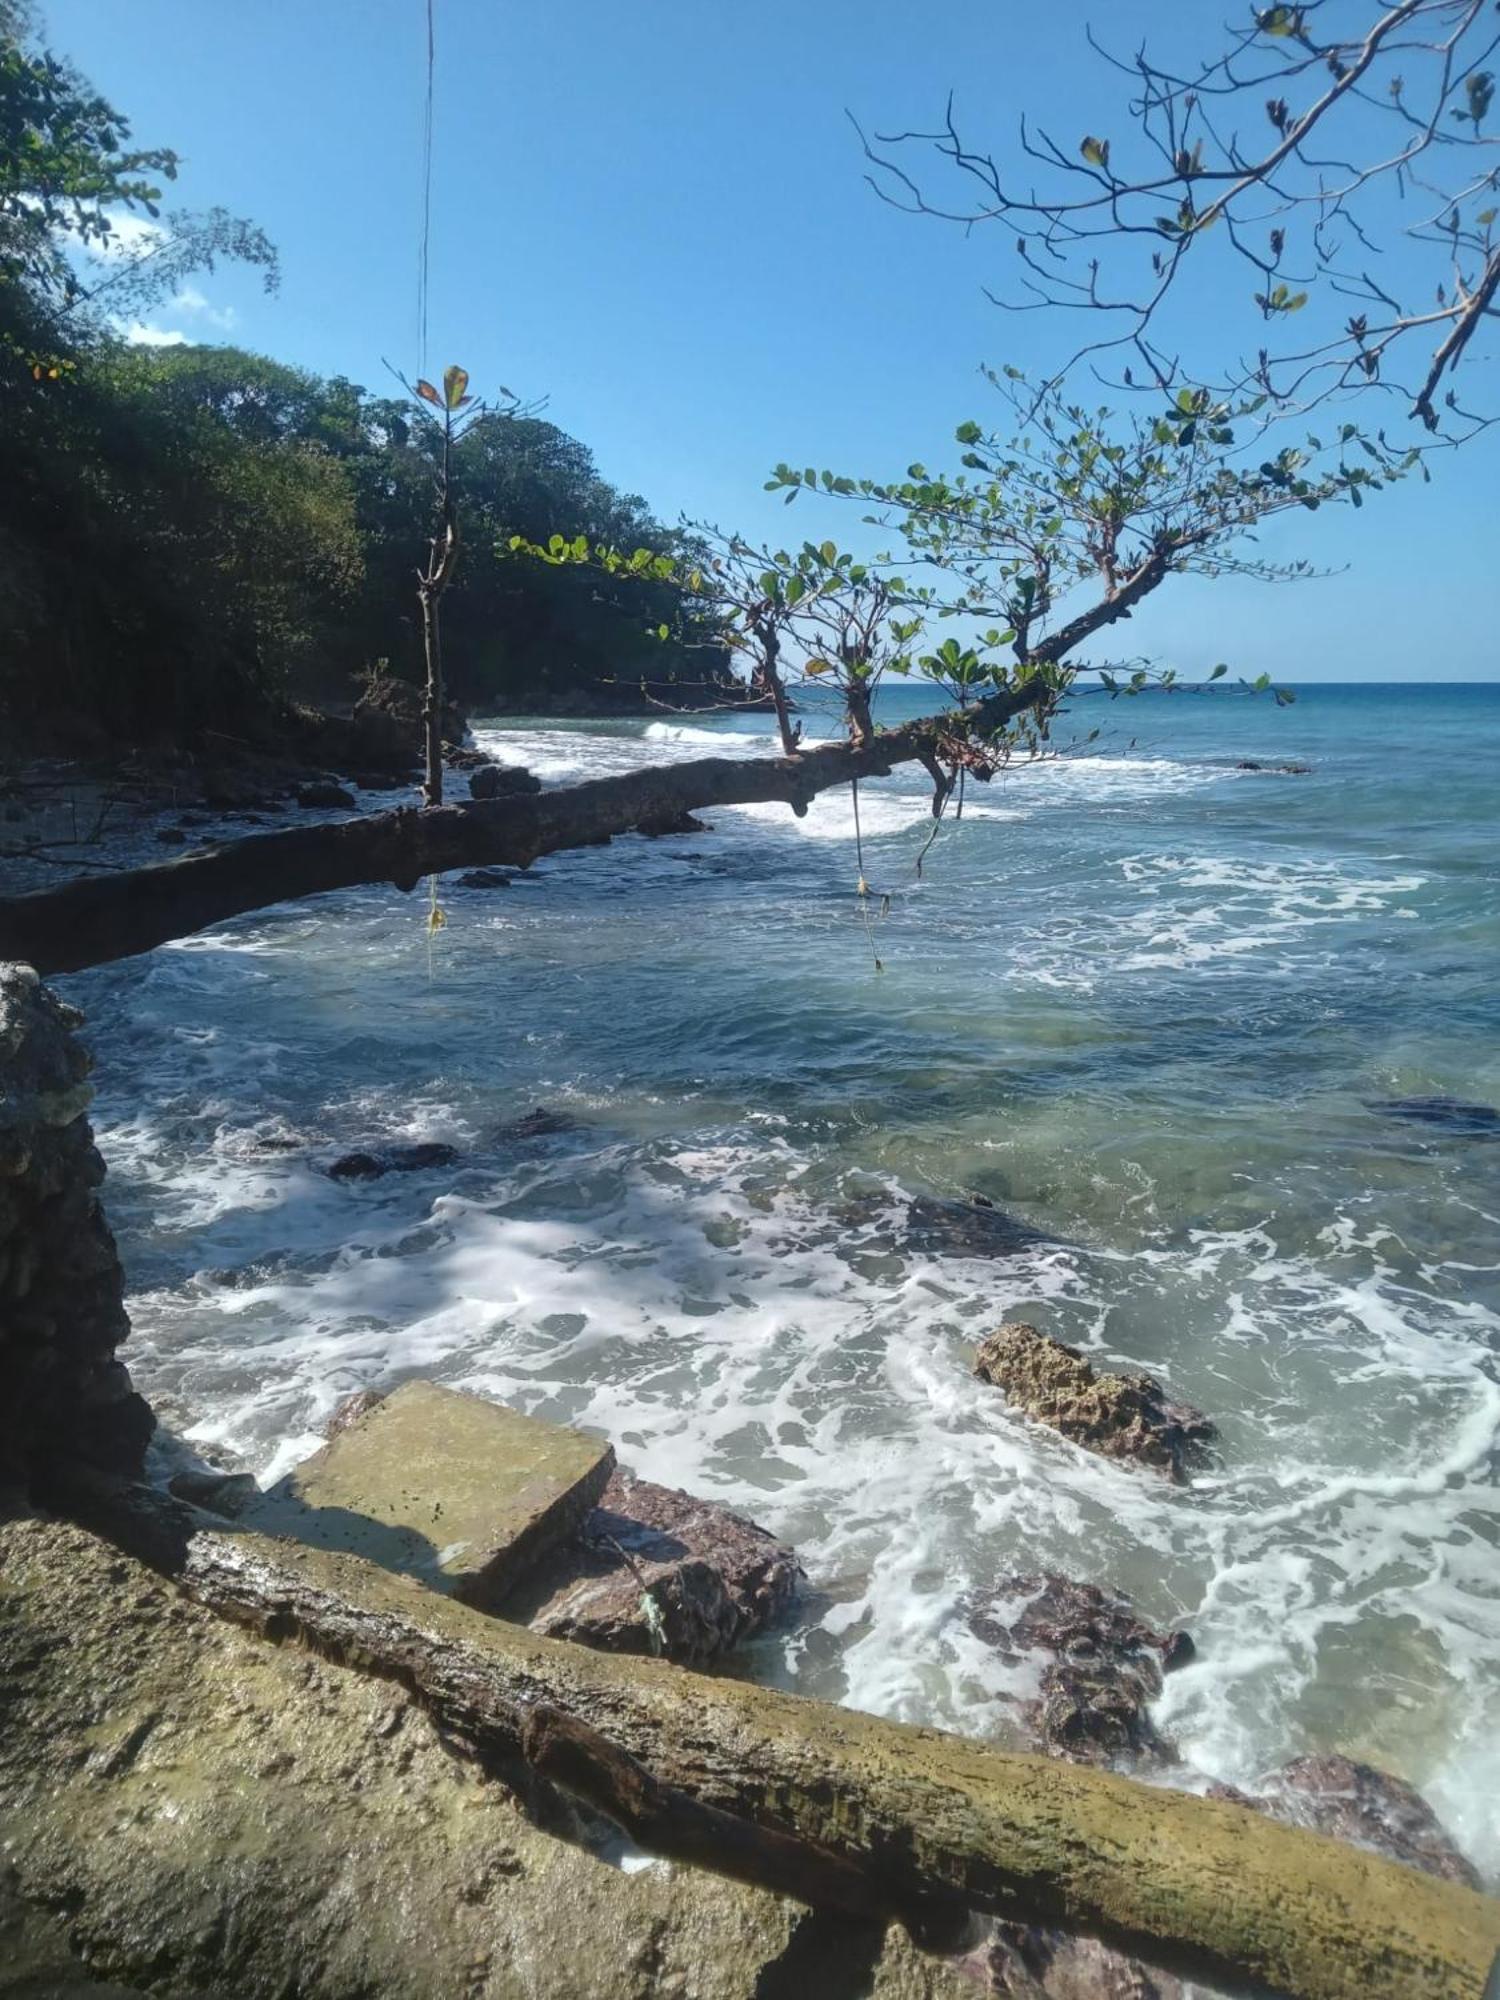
[{"x": 1152, "y": 1004}]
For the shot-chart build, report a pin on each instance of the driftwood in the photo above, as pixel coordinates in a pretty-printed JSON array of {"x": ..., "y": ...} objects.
[
  {"x": 825, "y": 1803},
  {"x": 91, "y": 921}
]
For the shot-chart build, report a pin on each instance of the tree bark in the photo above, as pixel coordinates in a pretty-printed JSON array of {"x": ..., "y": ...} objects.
[
  {"x": 908, "y": 1818},
  {"x": 99, "y": 918}
]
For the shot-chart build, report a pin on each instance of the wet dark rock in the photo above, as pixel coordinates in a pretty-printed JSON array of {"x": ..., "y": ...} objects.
[
  {"x": 1448, "y": 1114},
  {"x": 483, "y": 878},
  {"x": 1274, "y": 770},
  {"x": 381, "y": 781},
  {"x": 1363, "y": 1805},
  {"x": 973, "y": 1227},
  {"x": 464, "y": 757},
  {"x": 348, "y": 1412},
  {"x": 658, "y": 1571},
  {"x": 229, "y": 790},
  {"x": 171, "y": 836},
  {"x": 1104, "y": 1665},
  {"x": 1118, "y": 1416},
  {"x": 395, "y": 1160},
  {"x": 226, "y": 1493},
  {"x": 325, "y": 795},
  {"x": 662, "y": 824},
  {"x": 502, "y": 781},
  {"x": 538, "y": 1124}
]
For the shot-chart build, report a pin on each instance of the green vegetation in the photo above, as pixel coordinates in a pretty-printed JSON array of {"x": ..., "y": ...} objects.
[{"x": 192, "y": 536}]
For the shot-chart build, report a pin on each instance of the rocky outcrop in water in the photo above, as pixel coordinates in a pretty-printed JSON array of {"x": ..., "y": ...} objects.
[
  {"x": 655, "y": 1570},
  {"x": 1118, "y": 1416},
  {"x": 502, "y": 781},
  {"x": 62, "y": 1313},
  {"x": 1104, "y": 1665},
  {"x": 417, "y": 1159},
  {"x": 1367, "y": 1807}
]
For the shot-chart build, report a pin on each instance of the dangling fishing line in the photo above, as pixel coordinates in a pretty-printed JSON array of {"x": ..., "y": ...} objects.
[{"x": 426, "y": 200}]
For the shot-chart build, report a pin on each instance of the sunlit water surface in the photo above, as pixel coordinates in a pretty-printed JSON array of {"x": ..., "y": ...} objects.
[{"x": 1141, "y": 999}]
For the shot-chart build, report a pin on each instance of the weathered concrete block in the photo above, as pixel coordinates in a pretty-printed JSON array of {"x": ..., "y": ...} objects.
[{"x": 459, "y": 1492}]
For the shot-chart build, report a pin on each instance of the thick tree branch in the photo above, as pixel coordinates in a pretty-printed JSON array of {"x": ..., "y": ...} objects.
[{"x": 92, "y": 921}]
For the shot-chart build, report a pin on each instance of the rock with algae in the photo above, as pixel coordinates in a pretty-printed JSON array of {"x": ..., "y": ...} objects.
[{"x": 1118, "y": 1416}]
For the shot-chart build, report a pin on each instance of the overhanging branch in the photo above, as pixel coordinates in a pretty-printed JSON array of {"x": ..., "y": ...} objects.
[{"x": 97, "y": 919}]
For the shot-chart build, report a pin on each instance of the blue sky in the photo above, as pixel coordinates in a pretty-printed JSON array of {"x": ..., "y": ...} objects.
[{"x": 655, "y": 218}]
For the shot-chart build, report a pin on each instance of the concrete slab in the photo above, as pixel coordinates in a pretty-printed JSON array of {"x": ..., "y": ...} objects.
[{"x": 461, "y": 1493}]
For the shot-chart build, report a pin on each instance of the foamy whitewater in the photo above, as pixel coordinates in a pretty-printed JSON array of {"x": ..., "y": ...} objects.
[{"x": 1142, "y": 999}]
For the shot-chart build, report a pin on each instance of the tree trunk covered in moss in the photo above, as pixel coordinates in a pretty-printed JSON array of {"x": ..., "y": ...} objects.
[{"x": 927, "y": 1819}]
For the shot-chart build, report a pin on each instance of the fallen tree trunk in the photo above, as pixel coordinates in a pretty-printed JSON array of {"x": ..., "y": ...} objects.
[
  {"x": 99, "y": 918},
  {"x": 923, "y": 1818}
]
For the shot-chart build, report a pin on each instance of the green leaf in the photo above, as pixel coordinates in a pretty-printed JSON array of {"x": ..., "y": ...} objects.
[
  {"x": 1219, "y": 672},
  {"x": 455, "y": 383},
  {"x": 970, "y": 433},
  {"x": 1095, "y": 151}
]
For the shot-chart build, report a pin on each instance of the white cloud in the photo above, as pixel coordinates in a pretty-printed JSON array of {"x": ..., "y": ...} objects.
[
  {"x": 140, "y": 333},
  {"x": 191, "y": 300}
]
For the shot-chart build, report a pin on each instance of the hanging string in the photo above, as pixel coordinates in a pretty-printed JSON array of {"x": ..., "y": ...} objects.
[
  {"x": 426, "y": 200},
  {"x": 859, "y": 846}
]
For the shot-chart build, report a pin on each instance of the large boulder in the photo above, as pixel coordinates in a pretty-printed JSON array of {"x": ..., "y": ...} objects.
[
  {"x": 657, "y": 1571},
  {"x": 502, "y": 781},
  {"x": 1102, "y": 1665},
  {"x": 1118, "y": 1416},
  {"x": 62, "y": 1313}
]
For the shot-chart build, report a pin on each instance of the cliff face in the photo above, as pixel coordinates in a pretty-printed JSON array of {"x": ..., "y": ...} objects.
[{"x": 62, "y": 1313}]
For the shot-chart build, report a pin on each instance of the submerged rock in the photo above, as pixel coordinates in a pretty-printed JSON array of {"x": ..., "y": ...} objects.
[
  {"x": 538, "y": 1124},
  {"x": 1118, "y": 1416},
  {"x": 1363, "y": 1805},
  {"x": 502, "y": 781},
  {"x": 654, "y": 1570},
  {"x": 483, "y": 878},
  {"x": 1274, "y": 770},
  {"x": 1449, "y": 1114},
  {"x": 395, "y": 1160},
  {"x": 1104, "y": 1665},
  {"x": 973, "y": 1227}
]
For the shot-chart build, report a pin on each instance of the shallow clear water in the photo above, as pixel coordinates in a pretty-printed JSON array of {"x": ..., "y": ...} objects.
[{"x": 1142, "y": 999}]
